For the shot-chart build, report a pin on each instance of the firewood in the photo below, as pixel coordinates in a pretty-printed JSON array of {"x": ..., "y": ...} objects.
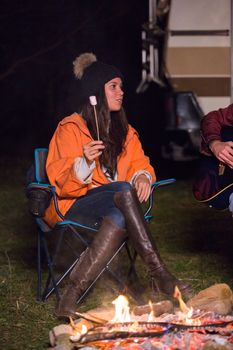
[
  {"x": 91, "y": 337},
  {"x": 158, "y": 309},
  {"x": 217, "y": 298},
  {"x": 91, "y": 318}
]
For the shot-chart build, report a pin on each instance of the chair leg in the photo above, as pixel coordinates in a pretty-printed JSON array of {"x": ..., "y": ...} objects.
[
  {"x": 132, "y": 259},
  {"x": 58, "y": 281},
  {"x": 50, "y": 267},
  {"x": 51, "y": 277},
  {"x": 133, "y": 283},
  {"x": 53, "y": 287},
  {"x": 39, "y": 283}
]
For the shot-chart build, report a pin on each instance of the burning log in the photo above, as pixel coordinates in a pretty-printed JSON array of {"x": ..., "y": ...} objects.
[
  {"x": 126, "y": 330},
  {"x": 158, "y": 309},
  {"x": 150, "y": 330},
  {"x": 91, "y": 318}
]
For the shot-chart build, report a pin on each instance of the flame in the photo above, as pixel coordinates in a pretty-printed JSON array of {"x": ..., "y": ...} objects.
[
  {"x": 77, "y": 331},
  {"x": 151, "y": 314},
  {"x": 122, "y": 313},
  {"x": 186, "y": 313},
  {"x": 177, "y": 294},
  {"x": 84, "y": 329}
]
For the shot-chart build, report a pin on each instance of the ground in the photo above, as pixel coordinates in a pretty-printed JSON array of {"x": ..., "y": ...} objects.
[{"x": 195, "y": 241}]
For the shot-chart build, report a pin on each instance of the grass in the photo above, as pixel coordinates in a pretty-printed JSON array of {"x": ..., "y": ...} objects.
[{"x": 195, "y": 241}]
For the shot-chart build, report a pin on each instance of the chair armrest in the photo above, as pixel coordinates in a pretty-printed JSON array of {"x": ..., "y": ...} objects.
[
  {"x": 39, "y": 197},
  {"x": 162, "y": 183},
  {"x": 154, "y": 186},
  {"x": 37, "y": 185}
]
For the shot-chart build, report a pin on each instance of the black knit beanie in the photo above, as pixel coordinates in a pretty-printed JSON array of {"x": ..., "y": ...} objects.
[{"x": 93, "y": 74}]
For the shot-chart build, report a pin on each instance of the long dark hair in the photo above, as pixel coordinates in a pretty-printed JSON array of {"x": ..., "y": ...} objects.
[{"x": 113, "y": 128}]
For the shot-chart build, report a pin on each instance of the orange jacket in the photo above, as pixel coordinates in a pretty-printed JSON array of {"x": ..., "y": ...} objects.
[{"x": 66, "y": 145}]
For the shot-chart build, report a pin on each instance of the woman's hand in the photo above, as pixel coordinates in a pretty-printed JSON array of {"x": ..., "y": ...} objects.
[
  {"x": 143, "y": 187},
  {"x": 223, "y": 151},
  {"x": 92, "y": 150}
]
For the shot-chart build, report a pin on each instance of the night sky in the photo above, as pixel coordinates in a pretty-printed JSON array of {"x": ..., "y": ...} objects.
[{"x": 39, "y": 42}]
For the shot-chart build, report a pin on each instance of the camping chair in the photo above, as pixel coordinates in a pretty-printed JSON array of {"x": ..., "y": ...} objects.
[{"x": 40, "y": 192}]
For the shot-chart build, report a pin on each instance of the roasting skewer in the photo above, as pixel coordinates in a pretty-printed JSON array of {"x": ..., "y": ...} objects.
[
  {"x": 93, "y": 102},
  {"x": 91, "y": 318}
]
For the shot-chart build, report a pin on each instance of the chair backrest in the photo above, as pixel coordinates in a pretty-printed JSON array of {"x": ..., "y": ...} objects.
[
  {"x": 40, "y": 157},
  {"x": 38, "y": 188}
]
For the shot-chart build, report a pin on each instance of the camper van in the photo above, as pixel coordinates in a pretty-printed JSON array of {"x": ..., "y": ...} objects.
[
  {"x": 198, "y": 55},
  {"x": 198, "y": 62},
  {"x": 189, "y": 50}
]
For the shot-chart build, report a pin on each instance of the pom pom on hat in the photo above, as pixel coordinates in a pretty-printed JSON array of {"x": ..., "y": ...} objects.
[
  {"x": 82, "y": 62},
  {"x": 93, "y": 74}
]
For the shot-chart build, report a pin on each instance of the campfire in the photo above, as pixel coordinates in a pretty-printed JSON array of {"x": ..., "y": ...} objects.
[{"x": 158, "y": 326}]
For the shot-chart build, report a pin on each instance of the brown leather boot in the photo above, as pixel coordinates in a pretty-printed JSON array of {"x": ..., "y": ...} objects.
[
  {"x": 140, "y": 236},
  {"x": 105, "y": 243}
]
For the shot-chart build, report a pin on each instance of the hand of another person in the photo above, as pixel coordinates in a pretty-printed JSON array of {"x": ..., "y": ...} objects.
[
  {"x": 92, "y": 150},
  {"x": 223, "y": 151},
  {"x": 143, "y": 187}
]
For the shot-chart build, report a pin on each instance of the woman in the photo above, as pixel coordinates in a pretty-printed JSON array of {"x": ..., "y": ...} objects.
[{"x": 101, "y": 175}]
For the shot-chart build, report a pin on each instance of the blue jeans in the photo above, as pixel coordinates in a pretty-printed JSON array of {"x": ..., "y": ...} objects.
[{"x": 90, "y": 209}]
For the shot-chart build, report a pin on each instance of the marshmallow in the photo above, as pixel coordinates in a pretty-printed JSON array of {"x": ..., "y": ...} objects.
[{"x": 93, "y": 100}]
